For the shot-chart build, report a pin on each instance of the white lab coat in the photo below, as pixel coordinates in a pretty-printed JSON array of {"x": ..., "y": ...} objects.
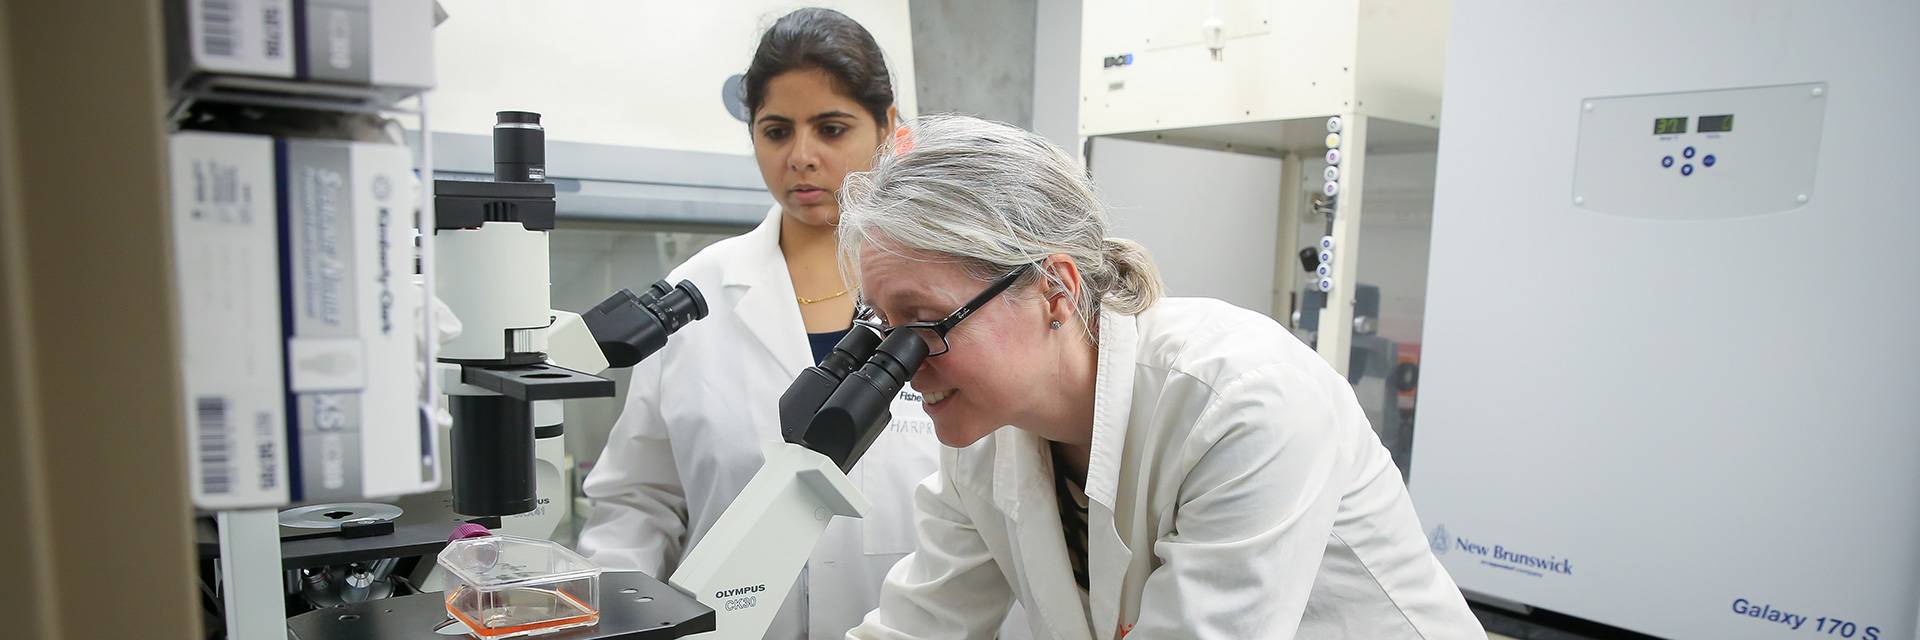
[
  {"x": 1235, "y": 488},
  {"x": 689, "y": 439}
]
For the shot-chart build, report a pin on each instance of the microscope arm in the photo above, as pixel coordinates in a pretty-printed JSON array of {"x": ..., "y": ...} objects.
[{"x": 746, "y": 564}]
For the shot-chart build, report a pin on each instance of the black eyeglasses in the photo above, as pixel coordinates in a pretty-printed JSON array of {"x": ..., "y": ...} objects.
[{"x": 935, "y": 333}]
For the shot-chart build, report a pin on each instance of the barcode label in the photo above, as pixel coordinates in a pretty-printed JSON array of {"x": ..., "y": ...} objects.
[
  {"x": 217, "y": 34},
  {"x": 270, "y": 18},
  {"x": 216, "y": 183},
  {"x": 216, "y": 445},
  {"x": 266, "y": 451}
]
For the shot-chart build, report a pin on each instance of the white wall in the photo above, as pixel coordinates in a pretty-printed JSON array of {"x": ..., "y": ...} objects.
[
  {"x": 1208, "y": 217},
  {"x": 643, "y": 74}
]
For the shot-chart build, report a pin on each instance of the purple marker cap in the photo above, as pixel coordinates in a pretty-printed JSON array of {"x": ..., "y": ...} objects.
[{"x": 468, "y": 530}]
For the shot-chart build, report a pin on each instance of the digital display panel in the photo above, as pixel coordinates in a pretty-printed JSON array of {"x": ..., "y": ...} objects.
[
  {"x": 1716, "y": 124},
  {"x": 1669, "y": 126}
]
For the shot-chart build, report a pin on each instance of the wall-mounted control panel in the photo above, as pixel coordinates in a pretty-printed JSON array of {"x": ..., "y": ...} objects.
[{"x": 1700, "y": 155}]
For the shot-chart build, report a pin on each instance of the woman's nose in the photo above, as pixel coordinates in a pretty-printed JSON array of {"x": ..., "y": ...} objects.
[{"x": 805, "y": 155}]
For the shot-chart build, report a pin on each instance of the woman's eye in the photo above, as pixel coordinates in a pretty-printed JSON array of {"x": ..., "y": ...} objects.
[
  {"x": 774, "y": 133},
  {"x": 833, "y": 130}
]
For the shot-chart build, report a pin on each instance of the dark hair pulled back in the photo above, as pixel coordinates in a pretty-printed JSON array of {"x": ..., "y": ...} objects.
[{"x": 824, "y": 39}]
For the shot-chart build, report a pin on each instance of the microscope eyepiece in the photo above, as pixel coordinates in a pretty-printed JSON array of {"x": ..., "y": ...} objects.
[
  {"x": 518, "y": 117},
  {"x": 519, "y": 147},
  {"x": 675, "y": 306},
  {"x": 631, "y": 327},
  {"x": 850, "y": 351},
  {"x": 892, "y": 364}
]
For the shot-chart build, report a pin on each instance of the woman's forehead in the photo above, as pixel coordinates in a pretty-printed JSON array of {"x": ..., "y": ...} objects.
[
  {"x": 807, "y": 94},
  {"x": 899, "y": 279}
]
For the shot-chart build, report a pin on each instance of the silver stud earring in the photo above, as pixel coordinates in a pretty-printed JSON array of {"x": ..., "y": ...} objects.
[{"x": 1055, "y": 326}]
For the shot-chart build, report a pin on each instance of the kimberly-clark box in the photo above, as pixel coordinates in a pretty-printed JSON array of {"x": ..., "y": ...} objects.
[{"x": 299, "y": 318}]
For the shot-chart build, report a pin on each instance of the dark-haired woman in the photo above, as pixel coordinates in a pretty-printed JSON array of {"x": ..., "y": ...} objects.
[{"x": 821, "y": 103}]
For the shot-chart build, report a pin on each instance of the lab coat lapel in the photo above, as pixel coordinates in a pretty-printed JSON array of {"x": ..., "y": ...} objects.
[
  {"x": 1023, "y": 489},
  {"x": 767, "y": 304},
  {"x": 1108, "y": 557}
]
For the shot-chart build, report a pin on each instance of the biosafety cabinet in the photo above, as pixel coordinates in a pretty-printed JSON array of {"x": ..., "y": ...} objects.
[
  {"x": 1239, "y": 139},
  {"x": 1236, "y": 72}
]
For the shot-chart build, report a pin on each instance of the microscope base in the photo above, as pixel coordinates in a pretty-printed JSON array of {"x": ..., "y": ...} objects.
[{"x": 666, "y": 613}]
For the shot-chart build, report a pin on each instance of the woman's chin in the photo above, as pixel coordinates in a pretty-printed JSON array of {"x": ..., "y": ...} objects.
[
  {"x": 958, "y": 437},
  {"x": 825, "y": 214}
]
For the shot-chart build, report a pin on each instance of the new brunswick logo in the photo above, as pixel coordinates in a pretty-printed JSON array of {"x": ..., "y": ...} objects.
[
  {"x": 1498, "y": 556},
  {"x": 1437, "y": 539}
]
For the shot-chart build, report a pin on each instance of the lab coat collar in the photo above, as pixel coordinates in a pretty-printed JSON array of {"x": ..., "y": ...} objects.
[
  {"x": 1020, "y": 466},
  {"x": 767, "y": 304},
  {"x": 1112, "y": 403}
]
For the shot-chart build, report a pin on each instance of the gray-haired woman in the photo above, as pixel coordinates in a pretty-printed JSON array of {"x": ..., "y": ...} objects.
[{"x": 1175, "y": 467}]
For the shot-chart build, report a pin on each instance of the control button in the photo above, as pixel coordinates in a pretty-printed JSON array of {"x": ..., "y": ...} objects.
[
  {"x": 1708, "y": 161},
  {"x": 1666, "y": 162},
  {"x": 1331, "y": 189},
  {"x": 1324, "y": 270},
  {"x": 1686, "y": 169},
  {"x": 1688, "y": 152},
  {"x": 1332, "y": 173},
  {"x": 1333, "y": 141},
  {"x": 1326, "y": 242},
  {"x": 1326, "y": 285},
  {"x": 1333, "y": 156}
]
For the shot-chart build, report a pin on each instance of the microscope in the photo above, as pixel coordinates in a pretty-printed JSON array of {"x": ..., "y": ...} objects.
[{"x": 516, "y": 359}]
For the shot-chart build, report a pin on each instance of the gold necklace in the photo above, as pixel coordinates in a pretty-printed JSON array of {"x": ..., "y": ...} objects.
[{"x": 806, "y": 301}]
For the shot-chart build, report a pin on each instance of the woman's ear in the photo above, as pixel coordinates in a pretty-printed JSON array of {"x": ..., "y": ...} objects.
[{"x": 1063, "y": 286}]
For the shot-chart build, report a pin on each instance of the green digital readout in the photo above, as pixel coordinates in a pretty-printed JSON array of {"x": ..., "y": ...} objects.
[
  {"x": 1716, "y": 124},
  {"x": 1669, "y": 126}
]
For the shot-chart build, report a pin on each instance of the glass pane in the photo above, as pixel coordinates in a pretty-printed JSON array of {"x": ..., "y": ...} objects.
[
  {"x": 1390, "y": 307},
  {"x": 1390, "y": 295}
]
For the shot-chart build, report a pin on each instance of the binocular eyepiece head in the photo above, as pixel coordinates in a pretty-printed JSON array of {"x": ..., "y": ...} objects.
[
  {"x": 630, "y": 327},
  {"x": 838, "y": 410}
]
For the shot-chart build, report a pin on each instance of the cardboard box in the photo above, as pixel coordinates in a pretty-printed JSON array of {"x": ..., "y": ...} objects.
[
  {"x": 373, "y": 43},
  {"x": 299, "y": 319}
]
